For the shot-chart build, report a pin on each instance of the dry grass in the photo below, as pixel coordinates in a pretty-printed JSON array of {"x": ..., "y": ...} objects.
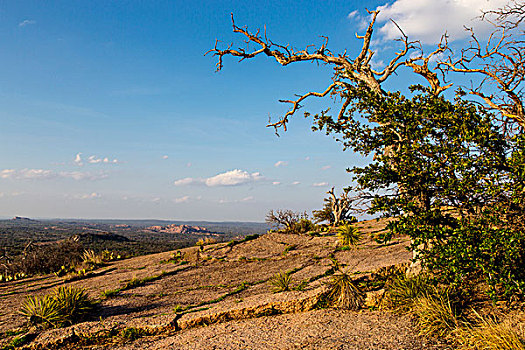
[
  {"x": 349, "y": 235},
  {"x": 436, "y": 315},
  {"x": 489, "y": 335}
]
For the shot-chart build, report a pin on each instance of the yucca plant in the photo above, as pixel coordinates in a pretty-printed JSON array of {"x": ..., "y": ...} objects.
[
  {"x": 280, "y": 282},
  {"x": 342, "y": 293},
  {"x": 64, "y": 306},
  {"x": 42, "y": 310},
  {"x": 349, "y": 235},
  {"x": 74, "y": 303}
]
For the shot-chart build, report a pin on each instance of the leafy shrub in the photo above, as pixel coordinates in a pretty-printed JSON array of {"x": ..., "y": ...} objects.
[
  {"x": 342, "y": 293},
  {"x": 280, "y": 281},
  {"x": 64, "y": 306},
  {"x": 349, "y": 235}
]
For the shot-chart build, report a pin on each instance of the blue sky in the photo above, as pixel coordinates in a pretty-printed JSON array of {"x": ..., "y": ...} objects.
[{"x": 111, "y": 109}]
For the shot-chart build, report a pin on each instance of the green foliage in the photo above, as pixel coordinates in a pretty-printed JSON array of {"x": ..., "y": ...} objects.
[
  {"x": 450, "y": 175},
  {"x": 280, "y": 282},
  {"x": 132, "y": 333},
  {"x": 349, "y": 235}
]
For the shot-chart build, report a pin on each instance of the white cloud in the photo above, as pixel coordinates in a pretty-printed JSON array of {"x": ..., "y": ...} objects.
[
  {"x": 295, "y": 183},
  {"x": 243, "y": 200},
  {"x": 26, "y": 22},
  {"x": 94, "y": 160},
  {"x": 105, "y": 160},
  {"x": 186, "y": 181},
  {"x": 165, "y": 157},
  {"x": 320, "y": 184},
  {"x": 275, "y": 183},
  {"x": 43, "y": 174},
  {"x": 229, "y": 178},
  {"x": 280, "y": 163},
  {"x": 232, "y": 178},
  {"x": 326, "y": 167},
  {"x": 307, "y": 158},
  {"x": 183, "y": 199},
  {"x": 427, "y": 20},
  {"x": 78, "y": 159}
]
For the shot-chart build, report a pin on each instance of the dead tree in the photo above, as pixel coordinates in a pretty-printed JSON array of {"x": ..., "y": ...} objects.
[
  {"x": 498, "y": 63},
  {"x": 346, "y": 71}
]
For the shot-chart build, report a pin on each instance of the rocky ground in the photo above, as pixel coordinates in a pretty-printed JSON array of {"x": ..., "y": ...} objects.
[{"x": 218, "y": 297}]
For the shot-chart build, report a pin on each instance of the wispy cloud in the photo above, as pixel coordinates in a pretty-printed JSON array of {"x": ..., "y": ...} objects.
[
  {"x": 295, "y": 183},
  {"x": 280, "y": 163},
  {"x": 165, "y": 157},
  {"x": 326, "y": 167},
  {"x": 320, "y": 184},
  {"x": 43, "y": 174},
  {"x": 92, "y": 195},
  {"x": 183, "y": 199},
  {"x": 242, "y": 200},
  {"x": 275, "y": 183},
  {"x": 26, "y": 22},
  {"x": 229, "y": 178}
]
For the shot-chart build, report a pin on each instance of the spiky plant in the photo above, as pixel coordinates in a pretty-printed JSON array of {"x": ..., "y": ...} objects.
[
  {"x": 342, "y": 293},
  {"x": 349, "y": 235},
  {"x": 42, "y": 311},
  {"x": 280, "y": 281},
  {"x": 73, "y": 303}
]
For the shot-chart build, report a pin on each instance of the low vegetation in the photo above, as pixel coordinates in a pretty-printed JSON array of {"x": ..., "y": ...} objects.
[
  {"x": 62, "y": 307},
  {"x": 280, "y": 282}
]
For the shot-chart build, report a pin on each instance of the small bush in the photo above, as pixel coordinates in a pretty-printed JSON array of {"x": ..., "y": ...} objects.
[
  {"x": 64, "y": 306},
  {"x": 342, "y": 293},
  {"x": 349, "y": 235},
  {"x": 280, "y": 282},
  {"x": 436, "y": 316}
]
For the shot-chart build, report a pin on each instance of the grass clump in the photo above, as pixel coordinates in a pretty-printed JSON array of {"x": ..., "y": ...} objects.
[
  {"x": 64, "y": 306},
  {"x": 404, "y": 291},
  {"x": 488, "y": 335},
  {"x": 280, "y": 282},
  {"x": 349, "y": 235},
  {"x": 436, "y": 315}
]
